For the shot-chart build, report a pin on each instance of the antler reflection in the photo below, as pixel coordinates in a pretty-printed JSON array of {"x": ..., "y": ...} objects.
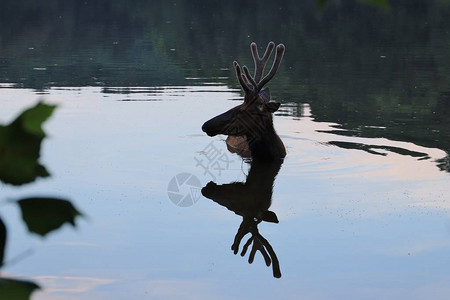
[{"x": 251, "y": 200}]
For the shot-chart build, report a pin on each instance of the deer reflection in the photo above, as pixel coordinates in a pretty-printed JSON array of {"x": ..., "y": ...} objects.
[{"x": 251, "y": 200}]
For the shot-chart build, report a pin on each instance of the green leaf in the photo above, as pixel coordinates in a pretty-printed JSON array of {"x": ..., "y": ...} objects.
[
  {"x": 20, "y": 145},
  {"x": 43, "y": 215},
  {"x": 16, "y": 289},
  {"x": 2, "y": 241},
  {"x": 32, "y": 119}
]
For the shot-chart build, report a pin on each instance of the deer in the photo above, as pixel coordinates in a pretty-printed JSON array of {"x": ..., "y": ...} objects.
[
  {"x": 251, "y": 200},
  {"x": 249, "y": 126}
]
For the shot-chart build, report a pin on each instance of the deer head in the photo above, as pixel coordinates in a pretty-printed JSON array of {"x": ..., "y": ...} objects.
[
  {"x": 252, "y": 201},
  {"x": 253, "y": 118}
]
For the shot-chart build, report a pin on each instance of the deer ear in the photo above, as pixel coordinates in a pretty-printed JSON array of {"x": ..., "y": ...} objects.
[
  {"x": 269, "y": 216},
  {"x": 265, "y": 94},
  {"x": 272, "y": 106}
]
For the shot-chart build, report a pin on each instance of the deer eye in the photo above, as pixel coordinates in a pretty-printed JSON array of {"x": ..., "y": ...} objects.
[{"x": 260, "y": 107}]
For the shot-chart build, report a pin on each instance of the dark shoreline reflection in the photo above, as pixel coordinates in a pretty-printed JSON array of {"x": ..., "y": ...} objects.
[
  {"x": 251, "y": 200},
  {"x": 372, "y": 149},
  {"x": 376, "y": 73}
]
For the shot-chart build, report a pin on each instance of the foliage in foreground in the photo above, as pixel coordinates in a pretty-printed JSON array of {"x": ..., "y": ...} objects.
[{"x": 20, "y": 144}]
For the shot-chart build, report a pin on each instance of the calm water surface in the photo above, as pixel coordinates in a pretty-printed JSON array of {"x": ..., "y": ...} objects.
[
  {"x": 362, "y": 196},
  {"x": 357, "y": 223}
]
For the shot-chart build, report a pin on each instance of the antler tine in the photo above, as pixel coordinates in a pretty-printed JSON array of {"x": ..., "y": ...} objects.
[
  {"x": 244, "y": 78},
  {"x": 259, "y": 244},
  {"x": 269, "y": 50},
  {"x": 260, "y": 63},
  {"x": 255, "y": 54},
  {"x": 275, "y": 263},
  {"x": 274, "y": 69},
  {"x": 249, "y": 77},
  {"x": 241, "y": 77},
  {"x": 242, "y": 231},
  {"x": 256, "y": 59}
]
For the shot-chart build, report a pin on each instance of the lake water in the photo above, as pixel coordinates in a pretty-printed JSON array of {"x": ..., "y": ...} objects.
[{"x": 361, "y": 198}]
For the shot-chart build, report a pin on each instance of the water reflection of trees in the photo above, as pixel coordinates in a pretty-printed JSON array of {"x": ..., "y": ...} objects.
[{"x": 354, "y": 64}]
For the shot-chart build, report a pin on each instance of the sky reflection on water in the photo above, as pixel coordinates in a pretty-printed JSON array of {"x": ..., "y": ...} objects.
[{"x": 352, "y": 224}]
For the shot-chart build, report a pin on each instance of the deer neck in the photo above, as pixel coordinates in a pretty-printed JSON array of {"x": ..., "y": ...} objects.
[
  {"x": 262, "y": 174},
  {"x": 260, "y": 182},
  {"x": 267, "y": 146}
]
